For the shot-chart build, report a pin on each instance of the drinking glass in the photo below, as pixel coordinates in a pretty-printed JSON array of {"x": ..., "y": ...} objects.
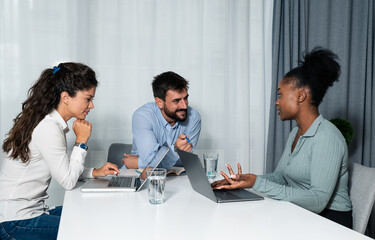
[
  {"x": 210, "y": 165},
  {"x": 156, "y": 185}
]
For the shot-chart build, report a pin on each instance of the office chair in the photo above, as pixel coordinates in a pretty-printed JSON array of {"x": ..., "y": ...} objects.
[
  {"x": 362, "y": 194},
  {"x": 116, "y": 153}
]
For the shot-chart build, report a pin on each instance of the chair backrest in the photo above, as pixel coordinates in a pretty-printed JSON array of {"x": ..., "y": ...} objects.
[
  {"x": 116, "y": 153},
  {"x": 362, "y": 194}
]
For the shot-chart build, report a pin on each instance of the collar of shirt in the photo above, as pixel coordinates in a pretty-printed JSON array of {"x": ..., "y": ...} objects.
[
  {"x": 55, "y": 115},
  {"x": 314, "y": 127}
]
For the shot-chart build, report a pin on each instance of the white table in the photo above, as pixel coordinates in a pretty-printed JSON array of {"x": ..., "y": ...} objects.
[{"x": 189, "y": 215}]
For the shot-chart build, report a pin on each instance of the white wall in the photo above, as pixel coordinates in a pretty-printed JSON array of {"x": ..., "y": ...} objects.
[{"x": 222, "y": 47}]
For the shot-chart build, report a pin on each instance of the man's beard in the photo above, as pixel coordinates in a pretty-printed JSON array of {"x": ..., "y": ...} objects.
[{"x": 174, "y": 116}]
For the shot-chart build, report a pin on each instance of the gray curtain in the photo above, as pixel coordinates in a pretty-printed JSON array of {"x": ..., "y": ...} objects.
[{"x": 347, "y": 28}]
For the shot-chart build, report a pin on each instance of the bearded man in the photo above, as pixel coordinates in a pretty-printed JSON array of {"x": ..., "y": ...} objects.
[{"x": 166, "y": 123}]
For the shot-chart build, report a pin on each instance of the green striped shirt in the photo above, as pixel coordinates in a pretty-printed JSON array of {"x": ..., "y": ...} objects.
[{"x": 313, "y": 176}]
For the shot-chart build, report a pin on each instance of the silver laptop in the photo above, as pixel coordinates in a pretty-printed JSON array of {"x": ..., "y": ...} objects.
[
  {"x": 199, "y": 182},
  {"x": 122, "y": 183}
]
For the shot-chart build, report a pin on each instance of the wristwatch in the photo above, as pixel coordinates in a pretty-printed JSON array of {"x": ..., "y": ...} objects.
[{"x": 81, "y": 145}]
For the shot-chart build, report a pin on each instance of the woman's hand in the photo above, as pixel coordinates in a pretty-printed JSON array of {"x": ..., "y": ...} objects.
[
  {"x": 108, "y": 168},
  {"x": 235, "y": 180},
  {"x": 82, "y": 129},
  {"x": 217, "y": 184}
]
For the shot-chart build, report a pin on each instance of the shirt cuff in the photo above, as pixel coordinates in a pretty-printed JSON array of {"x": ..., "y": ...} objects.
[
  {"x": 87, "y": 173},
  {"x": 78, "y": 154},
  {"x": 258, "y": 183}
]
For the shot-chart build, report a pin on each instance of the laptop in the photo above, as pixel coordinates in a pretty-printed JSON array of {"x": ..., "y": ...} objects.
[
  {"x": 122, "y": 183},
  {"x": 199, "y": 182}
]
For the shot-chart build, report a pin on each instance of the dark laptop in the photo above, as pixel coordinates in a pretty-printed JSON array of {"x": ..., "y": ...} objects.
[{"x": 200, "y": 183}]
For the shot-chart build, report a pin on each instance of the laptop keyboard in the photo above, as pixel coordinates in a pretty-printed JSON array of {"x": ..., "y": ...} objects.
[
  {"x": 120, "y": 182},
  {"x": 225, "y": 195}
]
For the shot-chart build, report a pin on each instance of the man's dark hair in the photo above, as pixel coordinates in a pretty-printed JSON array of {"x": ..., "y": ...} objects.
[{"x": 168, "y": 81}]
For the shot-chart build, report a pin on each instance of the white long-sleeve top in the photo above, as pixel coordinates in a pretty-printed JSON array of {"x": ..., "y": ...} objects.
[{"x": 23, "y": 186}]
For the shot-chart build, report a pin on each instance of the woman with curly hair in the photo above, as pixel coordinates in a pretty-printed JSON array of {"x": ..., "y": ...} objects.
[{"x": 36, "y": 151}]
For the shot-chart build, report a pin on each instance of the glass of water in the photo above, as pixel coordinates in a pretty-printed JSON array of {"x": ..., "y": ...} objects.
[
  {"x": 156, "y": 185},
  {"x": 210, "y": 165}
]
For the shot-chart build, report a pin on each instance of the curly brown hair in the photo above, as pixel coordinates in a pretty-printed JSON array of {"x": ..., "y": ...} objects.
[{"x": 43, "y": 98}]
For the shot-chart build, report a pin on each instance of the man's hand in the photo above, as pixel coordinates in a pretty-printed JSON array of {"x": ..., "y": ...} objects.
[
  {"x": 183, "y": 143},
  {"x": 144, "y": 173},
  {"x": 130, "y": 161}
]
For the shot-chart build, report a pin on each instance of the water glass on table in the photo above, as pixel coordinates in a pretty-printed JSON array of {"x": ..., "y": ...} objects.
[
  {"x": 210, "y": 165},
  {"x": 156, "y": 185}
]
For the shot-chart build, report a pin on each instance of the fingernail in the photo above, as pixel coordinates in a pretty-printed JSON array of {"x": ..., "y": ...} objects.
[
  {"x": 232, "y": 176},
  {"x": 115, "y": 173}
]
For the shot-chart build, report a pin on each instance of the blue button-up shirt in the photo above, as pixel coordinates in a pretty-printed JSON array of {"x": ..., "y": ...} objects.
[{"x": 151, "y": 131}]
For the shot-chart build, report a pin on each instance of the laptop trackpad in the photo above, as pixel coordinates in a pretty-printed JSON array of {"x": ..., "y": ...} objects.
[
  {"x": 241, "y": 193},
  {"x": 97, "y": 183},
  {"x": 226, "y": 194},
  {"x": 236, "y": 194}
]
